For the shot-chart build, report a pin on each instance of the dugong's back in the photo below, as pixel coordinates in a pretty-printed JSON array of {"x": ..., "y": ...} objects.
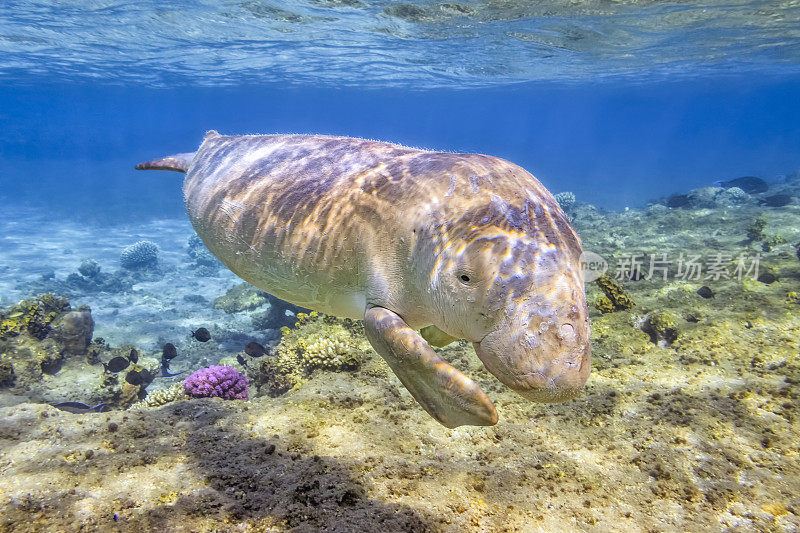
[{"x": 264, "y": 205}]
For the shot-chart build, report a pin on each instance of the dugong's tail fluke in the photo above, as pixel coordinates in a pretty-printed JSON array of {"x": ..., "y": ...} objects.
[{"x": 177, "y": 162}]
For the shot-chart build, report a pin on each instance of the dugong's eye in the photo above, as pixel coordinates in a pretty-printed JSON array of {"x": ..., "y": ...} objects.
[{"x": 464, "y": 278}]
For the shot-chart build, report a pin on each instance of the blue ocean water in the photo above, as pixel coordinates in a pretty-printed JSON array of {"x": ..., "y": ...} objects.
[
  {"x": 612, "y": 143},
  {"x": 618, "y": 102}
]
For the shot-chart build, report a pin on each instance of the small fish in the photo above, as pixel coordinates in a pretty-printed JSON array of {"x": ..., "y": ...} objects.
[
  {"x": 79, "y": 407},
  {"x": 117, "y": 364},
  {"x": 202, "y": 335},
  {"x": 776, "y": 200},
  {"x": 133, "y": 357},
  {"x": 749, "y": 184},
  {"x": 241, "y": 360},
  {"x": 705, "y": 292},
  {"x": 254, "y": 349},
  {"x": 169, "y": 352}
]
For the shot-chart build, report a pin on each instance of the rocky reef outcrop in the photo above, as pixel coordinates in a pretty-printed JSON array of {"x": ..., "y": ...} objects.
[{"x": 47, "y": 355}]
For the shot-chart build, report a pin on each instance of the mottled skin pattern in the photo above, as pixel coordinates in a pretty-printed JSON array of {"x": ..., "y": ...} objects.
[{"x": 466, "y": 246}]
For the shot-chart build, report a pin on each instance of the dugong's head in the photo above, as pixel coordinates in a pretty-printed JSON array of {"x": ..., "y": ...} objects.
[{"x": 507, "y": 276}]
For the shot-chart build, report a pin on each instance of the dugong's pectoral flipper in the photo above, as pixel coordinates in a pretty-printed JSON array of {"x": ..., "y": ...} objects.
[{"x": 448, "y": 395}]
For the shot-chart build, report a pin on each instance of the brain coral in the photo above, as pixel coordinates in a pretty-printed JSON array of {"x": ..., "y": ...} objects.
[{"x": 139, "y": 255}]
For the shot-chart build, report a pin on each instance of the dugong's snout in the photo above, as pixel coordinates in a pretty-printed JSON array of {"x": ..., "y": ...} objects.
[{"x": 542, "y": 366}]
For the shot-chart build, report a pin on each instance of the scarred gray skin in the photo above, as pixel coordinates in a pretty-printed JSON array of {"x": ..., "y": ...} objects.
[{"x": 459, "y": 246}]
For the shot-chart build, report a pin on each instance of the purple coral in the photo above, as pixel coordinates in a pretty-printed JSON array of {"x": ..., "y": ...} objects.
[{"x": 223, "y": 381}]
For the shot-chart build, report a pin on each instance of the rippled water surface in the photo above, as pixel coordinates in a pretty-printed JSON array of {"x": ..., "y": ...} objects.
[{"x": 367, "y": 42}]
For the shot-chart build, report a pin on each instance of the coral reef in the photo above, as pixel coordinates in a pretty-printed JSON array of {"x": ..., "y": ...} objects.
[
  {"x": 47, "y": 355},
  {"x": 162, "y": 397},
  {"x": 315, "y": 343},
  {"x": 615, "y": 296},
  {"x": 141, "y": 255},
  {"x": 32, "y": 316},
  {"x": 217, "y": 382},
  {"x": 566, "y": 200}
]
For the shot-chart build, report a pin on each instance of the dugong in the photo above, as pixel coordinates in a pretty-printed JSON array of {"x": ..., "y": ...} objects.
[{"x": 426, "y": 247}]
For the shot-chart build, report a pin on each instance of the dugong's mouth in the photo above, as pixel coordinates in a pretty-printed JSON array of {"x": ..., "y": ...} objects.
[{"x": 536, "y": 376}]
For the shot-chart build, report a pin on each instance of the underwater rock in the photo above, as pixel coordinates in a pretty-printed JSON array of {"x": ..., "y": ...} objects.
[
  {"x": 89, "y": 279},
  {"x": 7, "y": 375},
  {"x": 709, "y": 198},
  {"x": 731, "y": 197},
  {"x": 217, "y": 382},
  {"x": 32, "y": 316},
  {"x": 768, "y": 277},
  {"x": 704, "y": 198},
  {"x": 203, "y": 261},
  {"x": 771, "y": 242},
  {"x": 142, "y": 255},
  {"x": 662, "y": 326},
  {"x": 407, "y": 12},
  {"x": 755, "y": 231},
  {"x": 714, "y": 197},
  {"x": 245, "y": 297},
  {"x": 656, "y": 210},
  {"x": 616, "y": 298},
  {"x": 679, "y": 200},
  {"x": 241, "y": 297},
  {"x": 749, "y": 184},
  {"x": 89, "y": 268},
  {"x": 73, "y": 331}
]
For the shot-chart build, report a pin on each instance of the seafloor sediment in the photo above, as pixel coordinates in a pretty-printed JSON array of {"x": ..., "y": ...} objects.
[{"x": 689, "y": 420}]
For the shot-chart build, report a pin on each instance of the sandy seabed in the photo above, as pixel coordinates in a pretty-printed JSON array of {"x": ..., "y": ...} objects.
[{"x": 698, "y": 433}]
